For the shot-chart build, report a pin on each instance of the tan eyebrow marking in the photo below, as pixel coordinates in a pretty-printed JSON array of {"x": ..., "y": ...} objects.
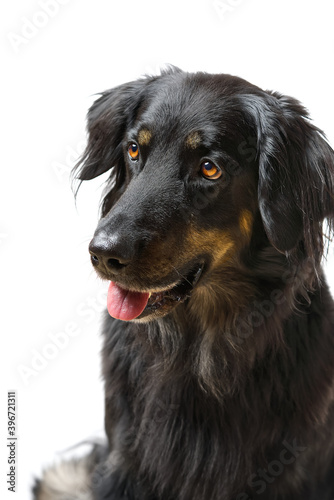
[
  {"x": 144, "y": 137},
  {"x": 193, "y": 140}
]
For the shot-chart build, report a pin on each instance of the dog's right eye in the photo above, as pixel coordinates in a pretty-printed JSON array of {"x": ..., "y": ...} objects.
[{"x": 133, "y": 151}]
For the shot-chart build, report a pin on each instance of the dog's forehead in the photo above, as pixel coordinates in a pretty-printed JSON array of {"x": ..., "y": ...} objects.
[{"x": 187, "y": 113}]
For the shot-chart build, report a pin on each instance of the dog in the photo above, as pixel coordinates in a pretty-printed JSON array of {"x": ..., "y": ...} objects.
[{"x": 218, "y": 355}]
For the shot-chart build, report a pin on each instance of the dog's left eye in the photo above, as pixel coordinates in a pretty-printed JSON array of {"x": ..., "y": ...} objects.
[
  {"x": 133, "y": 151},
  {"x": 210, "y": 171}
]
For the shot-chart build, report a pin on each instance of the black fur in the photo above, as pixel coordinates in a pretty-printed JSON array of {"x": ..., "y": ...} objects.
[{"x": 230, "y": 394}]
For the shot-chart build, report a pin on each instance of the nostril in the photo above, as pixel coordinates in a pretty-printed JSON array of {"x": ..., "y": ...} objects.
[
  {"x": 94, "y": 259},
  {"x": 115, "y": 264}
]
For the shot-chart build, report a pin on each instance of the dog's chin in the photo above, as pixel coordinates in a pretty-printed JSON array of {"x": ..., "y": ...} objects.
[{"x": 162, "y": 301}]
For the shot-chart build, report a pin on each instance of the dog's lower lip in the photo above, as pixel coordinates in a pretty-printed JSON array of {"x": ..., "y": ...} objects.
[{"x": 179, "y": 293}]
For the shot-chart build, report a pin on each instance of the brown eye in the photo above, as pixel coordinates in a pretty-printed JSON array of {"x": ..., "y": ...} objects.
[
  {"x": 210, "y": 171},
  {"x": 133, "y": 151}
]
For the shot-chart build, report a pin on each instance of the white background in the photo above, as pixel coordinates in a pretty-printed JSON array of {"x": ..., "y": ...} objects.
[{"x": 48, "y": 78}]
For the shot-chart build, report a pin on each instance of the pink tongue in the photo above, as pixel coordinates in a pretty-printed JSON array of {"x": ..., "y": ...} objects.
[{"x": 124, "y": 304}]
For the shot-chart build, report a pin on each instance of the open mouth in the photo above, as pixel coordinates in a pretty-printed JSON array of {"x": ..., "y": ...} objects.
[
  {"x": 128, "y": 305},
  {"x": 178, "y": 293}
]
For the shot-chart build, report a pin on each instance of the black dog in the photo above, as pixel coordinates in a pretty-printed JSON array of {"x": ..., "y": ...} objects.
[{"x": 219, "y": 381}]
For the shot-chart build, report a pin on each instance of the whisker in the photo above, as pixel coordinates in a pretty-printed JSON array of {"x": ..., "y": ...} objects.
[{"x": 184, "y": 278}]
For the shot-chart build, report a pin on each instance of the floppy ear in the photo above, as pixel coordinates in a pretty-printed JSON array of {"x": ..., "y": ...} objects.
[
  {"x": 107, "y": 120},
  {"x": 296, "y": 176}
]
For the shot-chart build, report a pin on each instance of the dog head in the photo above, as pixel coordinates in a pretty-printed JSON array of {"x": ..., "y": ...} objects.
[{"x": 203, "y": 169}]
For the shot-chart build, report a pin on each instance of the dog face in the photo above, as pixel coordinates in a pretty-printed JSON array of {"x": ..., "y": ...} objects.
[{"x": 197, "y": 162}]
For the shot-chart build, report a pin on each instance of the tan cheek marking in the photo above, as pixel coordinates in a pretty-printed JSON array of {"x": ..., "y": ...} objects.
[
  {"x": 217, "y": 243},
  {"x": 246, "y": 222},
  {"x": 144, "y": 137},
  {"x": 193, "y": 140}
]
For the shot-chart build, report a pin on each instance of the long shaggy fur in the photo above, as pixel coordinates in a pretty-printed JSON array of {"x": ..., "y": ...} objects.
[{"x": 229, "y": 395}]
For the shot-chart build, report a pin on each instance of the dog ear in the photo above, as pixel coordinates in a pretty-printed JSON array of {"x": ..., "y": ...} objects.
[
  {"x": 107, "y": 120},
  {"x": 296, "y": 175}
]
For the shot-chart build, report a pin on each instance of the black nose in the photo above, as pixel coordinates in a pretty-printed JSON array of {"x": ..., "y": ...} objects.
[{"x": 113, "y": 252}]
